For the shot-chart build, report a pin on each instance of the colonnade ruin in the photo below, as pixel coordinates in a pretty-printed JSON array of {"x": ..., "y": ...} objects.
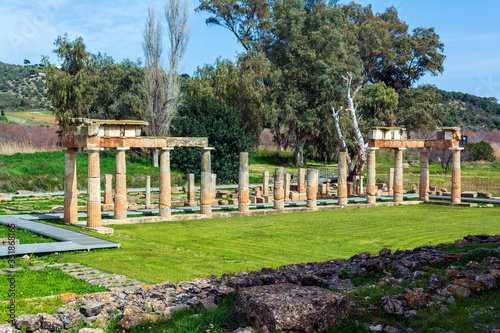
[{"x": 92, "y": 136}]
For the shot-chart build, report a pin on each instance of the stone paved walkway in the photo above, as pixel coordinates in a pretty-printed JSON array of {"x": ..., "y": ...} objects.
[{"x": 89, "y": 275}]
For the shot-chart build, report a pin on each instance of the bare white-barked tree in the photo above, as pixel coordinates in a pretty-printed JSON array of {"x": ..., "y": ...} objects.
[{"x": 161, "y": 79}]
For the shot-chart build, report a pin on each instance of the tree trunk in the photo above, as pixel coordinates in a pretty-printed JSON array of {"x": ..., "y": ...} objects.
[
  {"x": 342, "y": 139},
  {"x": 155, "y": 158},
  {"x": 299, "y": 152}
]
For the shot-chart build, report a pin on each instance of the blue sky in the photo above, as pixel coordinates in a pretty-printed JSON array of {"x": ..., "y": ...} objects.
[{"x": 469, "y": 30}]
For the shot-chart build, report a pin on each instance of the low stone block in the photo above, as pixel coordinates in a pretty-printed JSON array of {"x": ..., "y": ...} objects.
[
  {"x": 292, "y": 308},
  {"x": 432, "y": 188},
  {"x": 260, "y": 200},
  {"x": 223, "y": 202},
  {"x": 5, "y": 197},
  {"x": 107, "y": 207},
  {"x": 215, "y": 202},
  {"x": 92, "y": 309},
  {"x": 233, "y": 201},
  {"x": 252, "y": 199},
  {"x": 294, "y": 196},
  {"x": 469, "y": 194},
  {"x": 28, "y": 321},
  {"x": 484, "y": 194}
]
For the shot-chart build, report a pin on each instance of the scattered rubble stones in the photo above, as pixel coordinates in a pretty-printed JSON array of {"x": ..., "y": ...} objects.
[{"x": 292, "y": 298}]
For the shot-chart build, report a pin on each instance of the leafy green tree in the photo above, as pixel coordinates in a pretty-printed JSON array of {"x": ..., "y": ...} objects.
[
  {"x": 92, "y": 86},
  {"x": 27, "y": 62},
  {"x": 204, "y": 116},
  {"x": 234, "y": 85},
  {"x": 480, "y": 151},
  {"x": 379, "y": 104}
]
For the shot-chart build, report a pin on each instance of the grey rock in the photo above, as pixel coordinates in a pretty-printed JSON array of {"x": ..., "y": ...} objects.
[
  {"x": 488, "y": 280},
  {"x": 245, "y": 330},
  {"x": 31, "y": 322},
  {"x": 289, "y": 307},
  {"x": 394, "y": 304},
  {"x": 411, "y": 313},
  {"x": 51, "y": 323},
  {"x": 90, "y": 330},
  {"x": 92, "y": 309}
]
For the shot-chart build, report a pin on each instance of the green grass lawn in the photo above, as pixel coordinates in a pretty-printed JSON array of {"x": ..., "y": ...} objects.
[
  {"x": 24, "y": 236},
  {"x": 185, "y": 250}
]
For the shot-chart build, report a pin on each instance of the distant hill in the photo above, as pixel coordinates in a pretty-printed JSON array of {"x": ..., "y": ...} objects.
[
  {"x": 471, "y": 112},
  {"x": 22, "y": 87}
]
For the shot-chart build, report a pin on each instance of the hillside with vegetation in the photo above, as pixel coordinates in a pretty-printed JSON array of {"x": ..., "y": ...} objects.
[
  {"x": 22, "y": 87},
  {"x": 471, "y": 112}
]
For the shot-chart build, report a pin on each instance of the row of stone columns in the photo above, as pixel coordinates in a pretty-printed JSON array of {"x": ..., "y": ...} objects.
[{"x": 397, "y": 181}]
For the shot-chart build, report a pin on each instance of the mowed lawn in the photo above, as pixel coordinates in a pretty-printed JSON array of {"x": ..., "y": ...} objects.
[{"x": 184, "y": 250}]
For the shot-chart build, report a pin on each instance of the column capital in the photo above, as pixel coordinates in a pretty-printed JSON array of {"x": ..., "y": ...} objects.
[
  {"x": 69, "y": 150},
  {"x": 372, "y": 148},
  {"x": 205, "y": 149},
  {"x": 167, "y": 148},
  {"x": 401, "y": 149},
  {"x": 90, "y": 149},
  {"x": 457, "y": 149},
  {"x": 122, "y": 148},
  {"x": 425, "y": 150}
]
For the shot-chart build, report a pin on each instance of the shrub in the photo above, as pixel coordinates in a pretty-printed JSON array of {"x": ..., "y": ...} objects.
[
  {"x": 205, "y": 117},
  {"x": 480, "y": 151}
]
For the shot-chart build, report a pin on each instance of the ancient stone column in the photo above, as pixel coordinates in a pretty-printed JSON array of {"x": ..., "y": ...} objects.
[
  {"x": 342, "y": 179},
  {"x": 390, "y": 180},
  {"x": 423, "y": 187},
  {"x": 213, "y": 184},
  {"x": 312, "y": 188},
  {"x": 191, "y": 190},
  {"x": 120, "y": 185},
  {"x": 93, "y": 189},
  {"x": 361, "y": 190},
  {"x": 456, "y": 177},
  {"x": 148, "y": 191},
  {"x": 70, "y": 189},
  {"x": 355, "y": 184},
  {"x": 243, "y": 183},
  {"x": 265, "y": 183},
  {"x": 371, "y": 188},
  {"x": 206, "y": 176},
  {"x": 301, "y": 183},
  {"x": 165, "y": 199},
  {"x": 398, "y": 174},
  {"x": 279, "y": 192},
  {"x": 108, "y": 189},
  {"x": 288, "y": 181}
]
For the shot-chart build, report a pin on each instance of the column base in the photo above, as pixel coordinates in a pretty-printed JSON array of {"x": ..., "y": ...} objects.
[
  {"x": 371, "y": 200},
  {"x": 279, "y": 204},
  {"x": 206, "y": 210},
  {"x": 398, "y": 197},
  {"x": 342, "y": 202},
  {"x": 165, "y": 212},
  {"x": 243, "y": 208}
]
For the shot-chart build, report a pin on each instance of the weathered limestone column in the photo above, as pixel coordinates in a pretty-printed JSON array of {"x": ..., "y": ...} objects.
[
  {"x": 265, "y": 183},
  {"x": 243, "y": 184},
  {"x": 423, "y": 187},
  {"x": 398, "y": 174},
  {"x": 206, "y": 176},
  {"x": 279, "y": 192},
  {"x": 456, "y": 177},
  {"x": 120, "y": 185},
  {"x": 301, "y": 183},
  {"x": 93, "y": 189},
  {"x": 371, "y": 188},
  {"x": 342, "y": 179},
  {"x": 165, "y": 199},
  {"x": 213, "y": 184},
  {"x": 70, "y": 189},
  {"x": 312, "y": 188},
  {"x": 191, "y": 190},
  {"x": 288, "y": 181},
  {"x": 390, "y": 180},
  {"x": 148, "y": 192},
  {"x": 108, "y": 189},
  {"x": 361, "y": 190}
]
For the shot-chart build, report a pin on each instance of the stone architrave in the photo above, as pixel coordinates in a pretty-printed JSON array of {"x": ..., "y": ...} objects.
[
  {"x": 279, "y": 192},
  {"x": 108, "y": 189},
  {"x": 206, "y": 176},
  {"x": 243, "y": 184},
  {"x": 398, "y": 174},
  {"x": 301, "y": 183},
  {"x": 120, "y": 185},
  {"x": 390, "y": 180},
  {"x": 342, "y": 179},
  {"x": 456, "y": 179},
  {"x": 371, "y": 188},
  {"x": 288, "y": 180},
  {"x": 70, "y": 188},
  {"x": 312, "y": 188},
  {"x": 423, "y": 188},
  {"x": 265, "y": 183},
  {"x": 191, "y": 190},
  {"x": 148, "y": 192},
  {"x": 165, "y": 199},
  {"x": 93, "y": 189}
]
